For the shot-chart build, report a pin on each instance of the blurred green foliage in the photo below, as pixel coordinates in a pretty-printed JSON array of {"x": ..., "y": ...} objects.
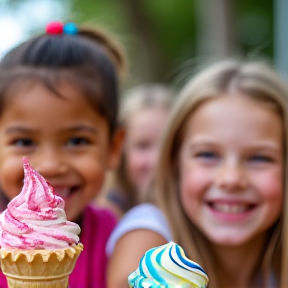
[
  {"x": 254, "y": 26},
  {"x": 160, "y": 35},
  {"x": 171, "y": 31},
  {"x": 170, "y": 25}
]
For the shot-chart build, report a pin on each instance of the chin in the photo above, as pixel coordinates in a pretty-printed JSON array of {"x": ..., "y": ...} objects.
[{"x": 228, "y": 240}]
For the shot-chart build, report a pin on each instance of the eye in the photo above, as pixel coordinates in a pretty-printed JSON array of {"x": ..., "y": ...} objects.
[
  {"x": 24, "y": 142},
  {"x": 206, "y": 155},
  {"x": 139, "y": 144},
  {"x": 260, "y": 159},
  {"x": 142, "y": 145},
  {"x": 78, "y": 141}
]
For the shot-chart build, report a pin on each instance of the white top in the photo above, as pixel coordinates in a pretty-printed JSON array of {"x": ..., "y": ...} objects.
[{"x": 143, "y": 216}]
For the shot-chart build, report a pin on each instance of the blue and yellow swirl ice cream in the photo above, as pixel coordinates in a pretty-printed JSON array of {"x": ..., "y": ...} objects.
[{"x": 167, "y": 267}]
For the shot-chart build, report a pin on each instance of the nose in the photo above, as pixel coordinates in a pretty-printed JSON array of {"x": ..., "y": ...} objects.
[
  {"x": 151, "y": 158},
  {"x": 49, "y": 163},
  {"x": 232, "y": 177},
  {"x": 147, "y": 161}
]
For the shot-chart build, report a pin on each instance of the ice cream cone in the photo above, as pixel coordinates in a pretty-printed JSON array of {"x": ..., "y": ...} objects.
[
  {"x": 39, "y": 268},
  {"x": 167, "y": 266}
]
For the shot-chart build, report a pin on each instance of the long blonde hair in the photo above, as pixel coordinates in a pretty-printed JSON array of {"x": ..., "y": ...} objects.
[{"x": 252, "y": 79}]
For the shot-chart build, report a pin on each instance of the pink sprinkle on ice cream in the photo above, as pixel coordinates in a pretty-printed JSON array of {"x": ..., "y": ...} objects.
[{"x": 35, "y": 219}]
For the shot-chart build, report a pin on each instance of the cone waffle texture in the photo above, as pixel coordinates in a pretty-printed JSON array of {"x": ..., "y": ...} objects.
[{"x": 39, "y": 268}]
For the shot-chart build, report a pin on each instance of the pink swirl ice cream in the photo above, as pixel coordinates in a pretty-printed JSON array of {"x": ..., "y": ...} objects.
[{"x": 35, "y": 219}]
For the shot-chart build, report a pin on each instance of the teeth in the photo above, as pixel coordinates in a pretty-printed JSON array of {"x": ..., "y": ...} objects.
[
  {"x": 230, "y": 208},
  {"x": 62, "y": 192}
]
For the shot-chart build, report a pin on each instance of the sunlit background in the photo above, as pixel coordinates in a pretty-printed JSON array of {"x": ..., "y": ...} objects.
[{"x": 162, "y": 37}]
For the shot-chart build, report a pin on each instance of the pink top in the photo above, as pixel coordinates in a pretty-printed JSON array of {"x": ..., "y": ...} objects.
[{"x": 90, "y": 269}]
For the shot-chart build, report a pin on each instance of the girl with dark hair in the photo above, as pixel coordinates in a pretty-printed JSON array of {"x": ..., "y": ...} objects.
[{"x": 59, "y": 107}]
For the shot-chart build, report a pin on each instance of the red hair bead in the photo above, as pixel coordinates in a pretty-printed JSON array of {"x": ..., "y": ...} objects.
[{"x": 55, "y": 27}]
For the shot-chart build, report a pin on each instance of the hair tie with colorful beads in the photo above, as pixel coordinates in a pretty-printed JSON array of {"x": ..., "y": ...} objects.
[{"x": 57, "y": 28}]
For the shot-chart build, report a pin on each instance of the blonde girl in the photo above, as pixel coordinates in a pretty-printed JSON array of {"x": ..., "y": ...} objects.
[
  {"x": 221, "y": 180},
  {"x": 143, "y": 114},
  {"x": 222, "y": 174}
]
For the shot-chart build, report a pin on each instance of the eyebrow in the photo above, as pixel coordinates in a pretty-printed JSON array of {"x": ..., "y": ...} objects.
[
  {"x": 81, "y": 128},
  {"x": 202, "y": 141},
  {"x": 261, "y": 146},
  {"x": 78, "y": 128},
  {"x": 18, "y": 129}
]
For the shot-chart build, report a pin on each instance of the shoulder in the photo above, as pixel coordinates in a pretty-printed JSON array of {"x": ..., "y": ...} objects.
[
  {"x": 149, "y": 210},
  {"x": 144, "y": 216}
]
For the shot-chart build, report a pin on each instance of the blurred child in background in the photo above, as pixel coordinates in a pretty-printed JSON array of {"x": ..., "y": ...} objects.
[
  {"x": 59, "y": 107},
  {"x": 143, "y": 114},
  {"x": 221, "y": 180}
]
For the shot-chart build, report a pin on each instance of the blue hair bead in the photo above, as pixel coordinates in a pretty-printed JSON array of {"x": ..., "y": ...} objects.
[{"x": 70, "y": 28}]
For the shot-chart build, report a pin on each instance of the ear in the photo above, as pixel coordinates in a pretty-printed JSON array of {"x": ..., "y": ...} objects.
[{"x": 116, "y": 148}]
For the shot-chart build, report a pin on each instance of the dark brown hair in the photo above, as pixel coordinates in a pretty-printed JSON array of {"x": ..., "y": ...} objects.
[{"x": 89, "y": 60}]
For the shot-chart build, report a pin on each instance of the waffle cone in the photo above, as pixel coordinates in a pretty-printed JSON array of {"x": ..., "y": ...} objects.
[{"x": 39, "y": 268}]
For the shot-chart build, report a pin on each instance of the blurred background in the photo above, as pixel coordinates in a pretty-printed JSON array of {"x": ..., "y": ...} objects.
[{"x": 162, "y": 37}]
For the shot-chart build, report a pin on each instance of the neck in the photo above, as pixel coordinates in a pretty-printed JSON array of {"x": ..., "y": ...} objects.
[{"x": 235, "y": 266}]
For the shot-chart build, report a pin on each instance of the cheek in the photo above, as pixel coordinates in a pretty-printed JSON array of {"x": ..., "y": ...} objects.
[
  {"x": 134, "y": 164},
  {"x": 270, "y": 188},
  {"x": 270, "y": 185},
  {"x": 92, "y": 170},
  {"x": 193, "y": 185},
  {"x": 11, "y": 176},
  {"x": 193, "y": 182},
  {"x": 132, "y": 159}
]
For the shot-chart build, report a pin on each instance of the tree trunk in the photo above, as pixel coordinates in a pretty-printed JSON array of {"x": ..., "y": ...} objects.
[{"x": 216, "y": 27}]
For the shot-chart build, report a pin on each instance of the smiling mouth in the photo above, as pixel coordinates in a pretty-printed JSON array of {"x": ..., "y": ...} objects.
[
  {"x": 65, "y": 192},
  {"x": 231, "y": 208}
]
